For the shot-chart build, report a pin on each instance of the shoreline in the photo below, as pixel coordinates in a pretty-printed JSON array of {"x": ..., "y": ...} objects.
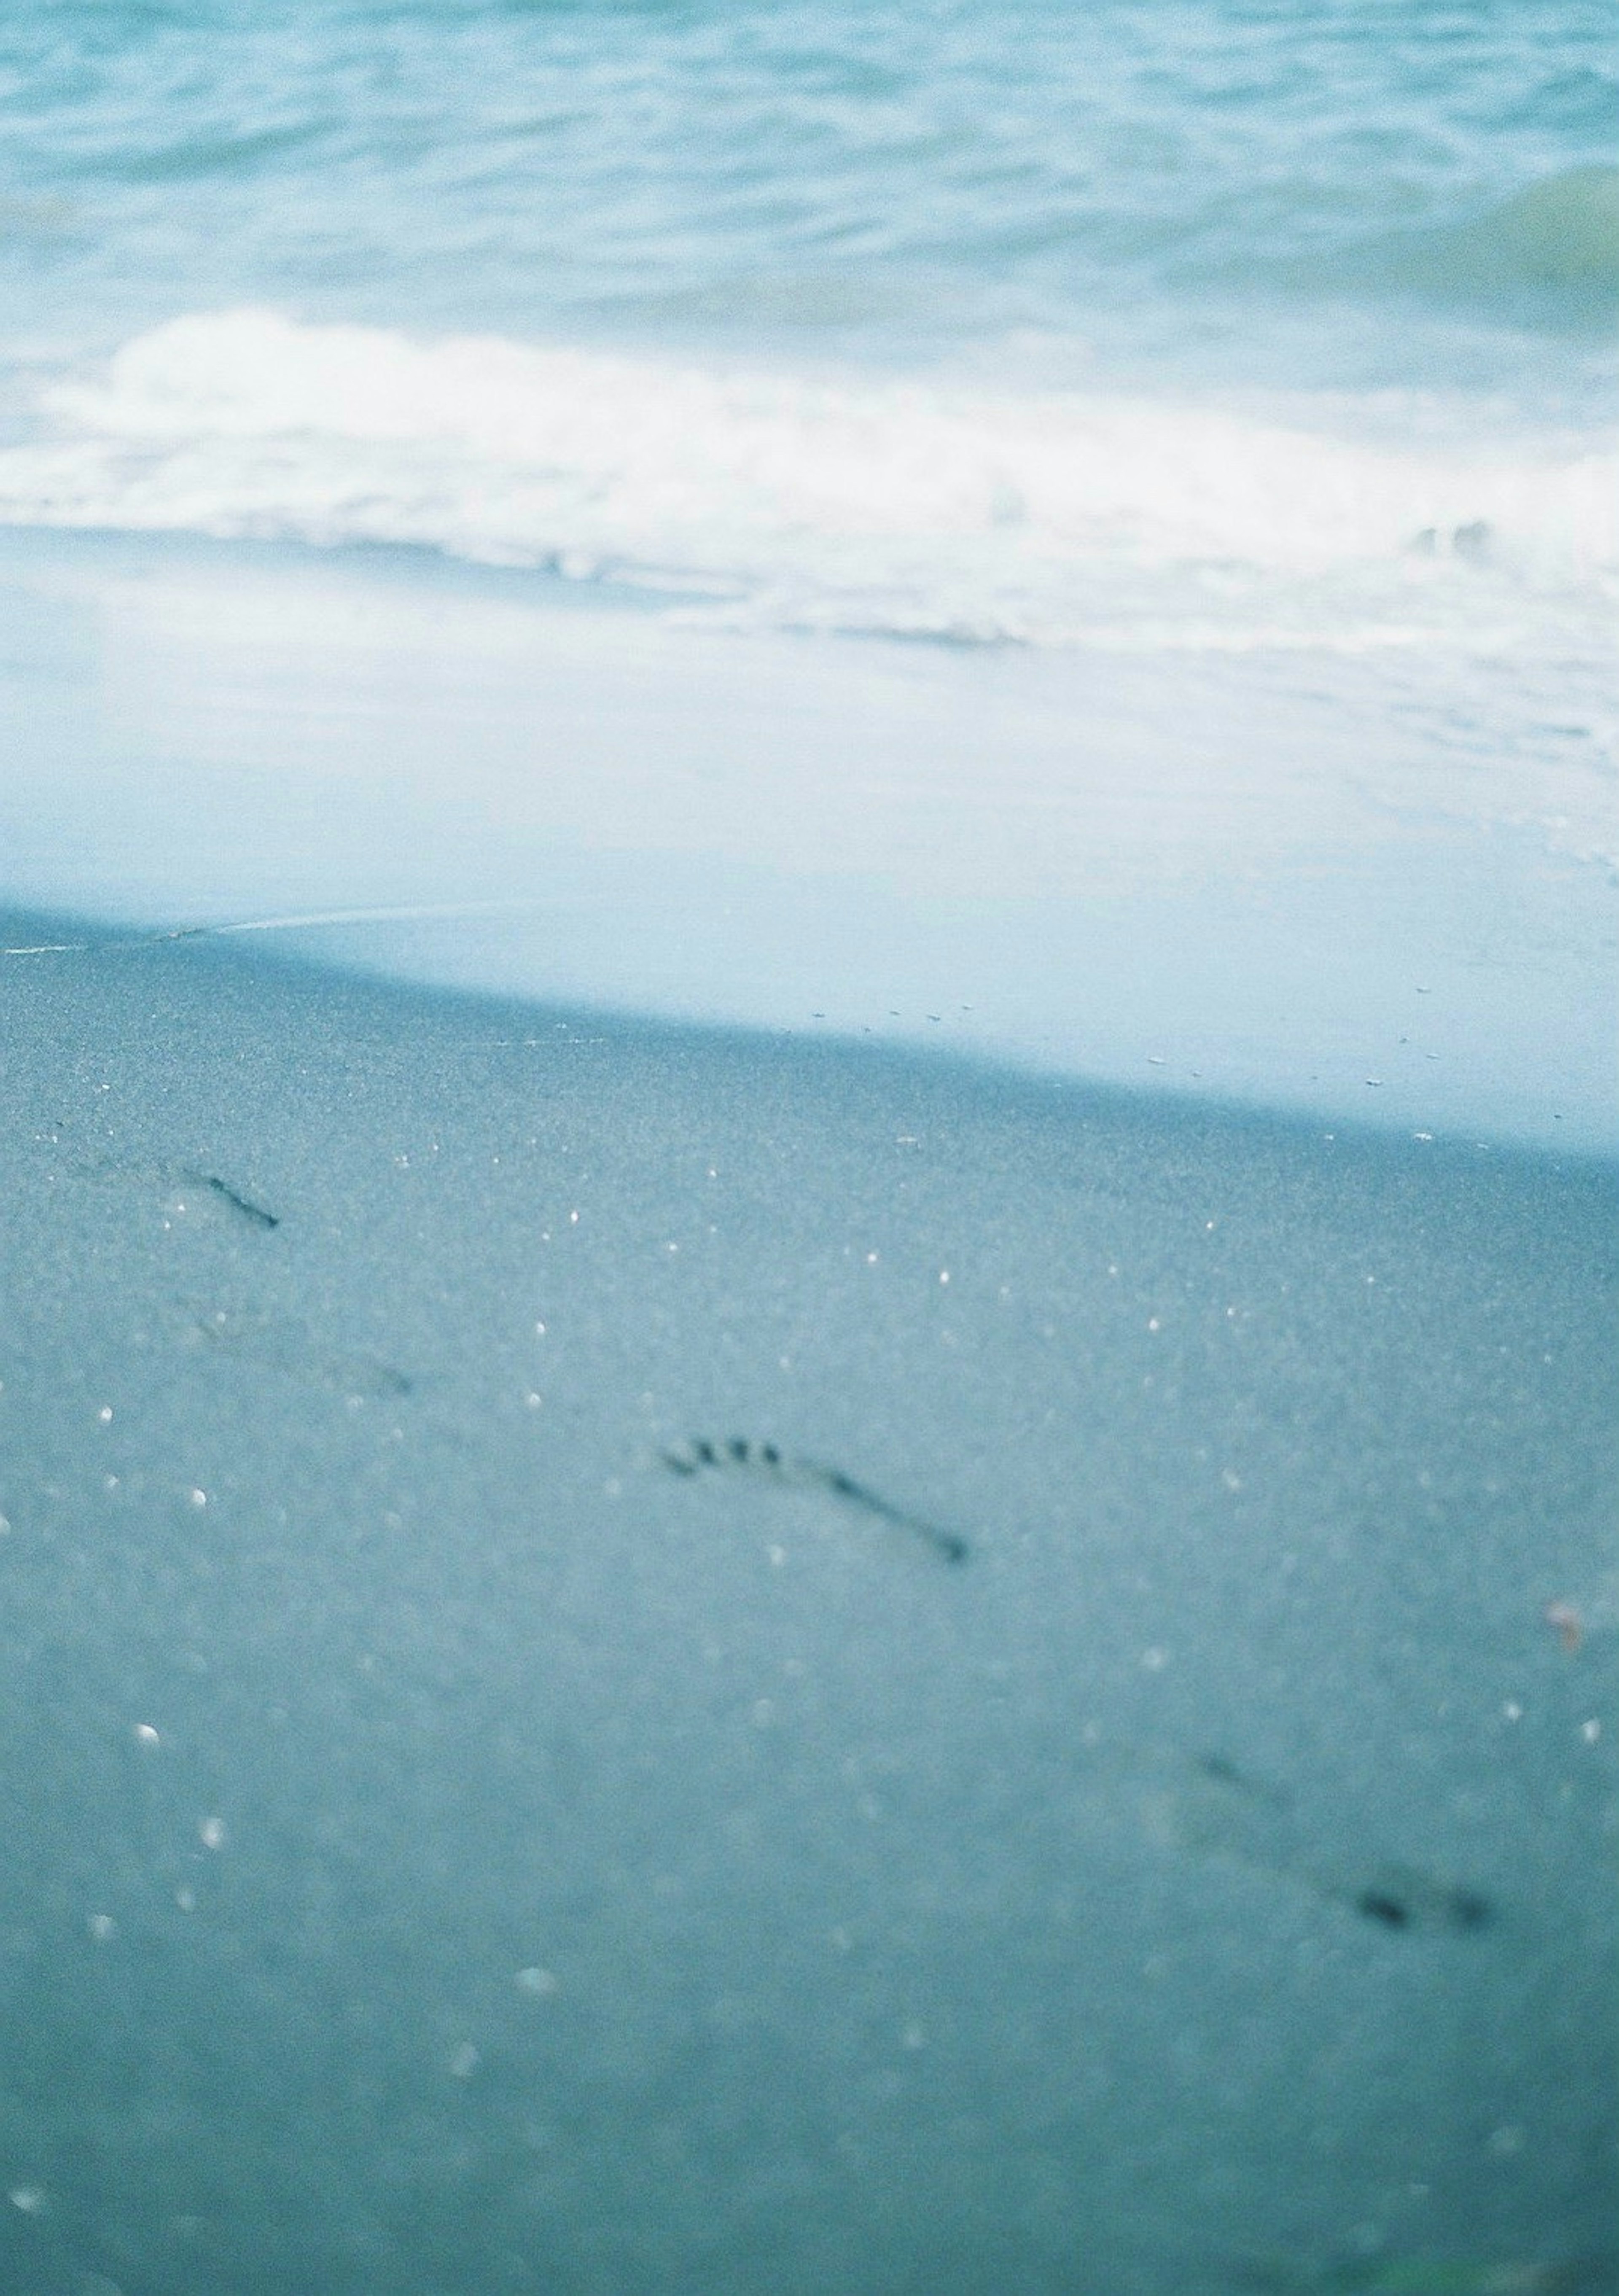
[
  {"x": 1320, "y": 885},
  {"x": 314, "y": 951}
]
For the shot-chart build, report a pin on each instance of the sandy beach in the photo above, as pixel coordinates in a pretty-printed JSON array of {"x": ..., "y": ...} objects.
[
  {"x": 809, "y": 931},
  {"x": 650, "y": 1660}
]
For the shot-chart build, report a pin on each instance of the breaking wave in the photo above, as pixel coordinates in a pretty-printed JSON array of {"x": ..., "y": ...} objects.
[{"x": 918, "y": 507}]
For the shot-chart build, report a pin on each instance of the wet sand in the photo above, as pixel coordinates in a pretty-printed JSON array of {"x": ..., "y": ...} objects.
[{"x": 648, "y": 1659}]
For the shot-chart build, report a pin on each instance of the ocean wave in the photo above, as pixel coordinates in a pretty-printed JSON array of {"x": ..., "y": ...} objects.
[
  {"x": 927, "y": 508},
  {"x": 1550, "y": 255}
]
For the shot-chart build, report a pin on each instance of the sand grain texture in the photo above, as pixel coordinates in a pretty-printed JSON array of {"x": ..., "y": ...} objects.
[{"x": 450, "y": 1851}]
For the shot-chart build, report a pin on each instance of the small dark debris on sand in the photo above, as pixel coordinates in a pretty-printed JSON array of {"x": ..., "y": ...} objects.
[{"x": 254, "y": 1214}]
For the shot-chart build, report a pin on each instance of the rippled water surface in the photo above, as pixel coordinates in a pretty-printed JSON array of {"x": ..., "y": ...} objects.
[{"x": 1159, "y": 178}]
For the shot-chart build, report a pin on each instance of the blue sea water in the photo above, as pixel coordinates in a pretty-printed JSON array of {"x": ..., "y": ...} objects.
[
  {"x": 1154, "y": 182},
  {"x": 1067, "y": 325}
]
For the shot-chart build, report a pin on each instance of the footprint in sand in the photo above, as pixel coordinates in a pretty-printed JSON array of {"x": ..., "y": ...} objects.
[{"x": 788, "y": 1472}]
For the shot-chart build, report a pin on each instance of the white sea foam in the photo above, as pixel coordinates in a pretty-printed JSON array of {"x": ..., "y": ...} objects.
[{"x": 926, "y": 508}]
